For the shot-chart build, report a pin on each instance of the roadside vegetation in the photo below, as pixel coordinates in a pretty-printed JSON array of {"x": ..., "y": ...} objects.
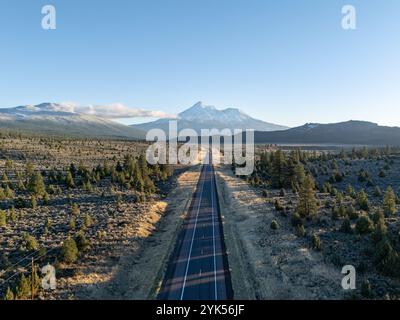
[
  {"x": 344, "y": 203},
  {"x": 63, "y": 200}
]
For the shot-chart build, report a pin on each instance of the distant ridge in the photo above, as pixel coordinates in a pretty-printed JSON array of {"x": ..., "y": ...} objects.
[
  {"x": 60, "y": 119},
  {"x": 349, "y": 132}
]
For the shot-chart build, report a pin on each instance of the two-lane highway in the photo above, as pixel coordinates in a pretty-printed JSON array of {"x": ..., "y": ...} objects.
[{"x": 199, "y": 269}]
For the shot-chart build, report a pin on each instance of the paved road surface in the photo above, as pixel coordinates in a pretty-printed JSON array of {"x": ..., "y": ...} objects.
[{"x": 198, "y": 269}]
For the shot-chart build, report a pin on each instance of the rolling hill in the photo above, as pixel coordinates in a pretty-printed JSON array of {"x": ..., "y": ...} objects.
[
  {"x": 349, "y": 132},
  {"x": 58, "y": 119}
]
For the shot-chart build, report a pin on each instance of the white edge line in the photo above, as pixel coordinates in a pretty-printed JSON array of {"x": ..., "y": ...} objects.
[
  {"x": 213, "y": 217},
  {"x": 194, "y": 232}
]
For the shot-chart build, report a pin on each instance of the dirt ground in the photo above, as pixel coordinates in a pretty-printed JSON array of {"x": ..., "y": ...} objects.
[{"x": 266, "y": 263}]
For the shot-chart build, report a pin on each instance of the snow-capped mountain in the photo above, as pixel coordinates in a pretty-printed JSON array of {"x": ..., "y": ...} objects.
[
  {"x": 201, "y": 116},
  {"x": 62, "y": 119}
]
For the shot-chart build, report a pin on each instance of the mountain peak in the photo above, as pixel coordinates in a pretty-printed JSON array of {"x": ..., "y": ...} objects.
[
  {"x": 201, "y": 116},
  {"x": 200, "y": 105}
]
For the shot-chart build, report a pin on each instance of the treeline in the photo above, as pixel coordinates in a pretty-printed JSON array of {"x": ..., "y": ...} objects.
[{"x": 132, "y": 173}]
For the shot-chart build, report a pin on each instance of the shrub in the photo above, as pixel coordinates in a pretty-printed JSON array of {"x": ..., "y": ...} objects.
[
  {"x": 296, "y": 220},
  {"x": 69, "y": 251},
  {"x": 33, "y": 202},
  {"x": 72, "y": 224},
  {"x": 387, "y": 259},
  {"x": 75, "y": 209},
  {"x": 274, "y": 225},
  {"x": 300, "y": 231},
  {"x": 46, "y": 198},
  {"x": 265, "y": 193},
  {"x": 88, "y": 221},
  {"x": 316, "y": 242},
  {"x": 351, "y": 212},
  {"x": 30, "y": 243},
  {"x": 278, "y": 205},
  {"x": 9, "y": 295},
  {"x": 364, "y": 225},
  {"x": 366, "y": 290},
  {"x": 346, "y": 226},
  {"x": 4, "y": 262},
  {"x": 82, "y": 242},
  {"x": 377, "y": 192}
]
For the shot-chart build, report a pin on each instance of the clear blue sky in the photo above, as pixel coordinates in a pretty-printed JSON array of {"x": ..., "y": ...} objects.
[{"x": 286, "y": 61}]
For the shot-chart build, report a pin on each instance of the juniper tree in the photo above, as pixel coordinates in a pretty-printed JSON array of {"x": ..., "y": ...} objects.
[
  {"x": 23, "y": 291},
  {"x": 3, "y": 218},
  {"x": 362, "y": 200},
  {"x": 69, "y": 251},
  {"x": 69, "y": 180},
  {"x": 389, "y": 202},
  {"x": 9, "y": 294},
  {"x": 36, "y": 184}
]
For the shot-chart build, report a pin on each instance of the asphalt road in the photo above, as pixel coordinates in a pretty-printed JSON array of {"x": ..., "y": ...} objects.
[{"x": 198, "y": 269}]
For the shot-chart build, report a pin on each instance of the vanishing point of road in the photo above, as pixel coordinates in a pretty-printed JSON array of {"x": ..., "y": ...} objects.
[{"x": 198, "y": 268}]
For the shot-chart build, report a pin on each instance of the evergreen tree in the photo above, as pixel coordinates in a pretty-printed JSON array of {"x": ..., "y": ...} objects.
[
  {"x": 36, "y": 184},
  {"x": 69, "y": 251},
  {"x": 278, "y": 169},
  {"x": 362, "y": 200},
  {"x": 137, "y": 180},
  {"x": 33, "y": 202},
  {"x": 69, "y": 180},
  {"x": 9, "y": 294},
  {"x": 3, "y": 218},
  {"x": 307, "y": 204},
  {"x": 23, "y": 291},
  {"x": 389, "y": 202}
]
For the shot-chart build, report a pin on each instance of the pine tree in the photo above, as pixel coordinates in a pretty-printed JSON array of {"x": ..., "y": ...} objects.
[
  {"x": 3, "y": 218},
  {"x": 36, "y": 184},
  {"x": 69, "y": 251},
  {"x": 9, "y": 294},
  {"x": 137, "y": 180},
  {"x": 142, "y": 163},
  {"x": 33, "y": 202},
  {"x": 8, "y": 192},
  {"x": 307, "y": 204},
  {"x": 23, "y": 291},
  {"x": 389, "y": 202},
  {"x": 82, "y": 242},
  {"x": 362, "y": 200},
  {"x": 88, "y": 221},
  {"x": 72, "y": 224},
  {"x": 2, "y": 194},
  {"x": 69, "y": 180},
  {"x": 278, "y": 169}
]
